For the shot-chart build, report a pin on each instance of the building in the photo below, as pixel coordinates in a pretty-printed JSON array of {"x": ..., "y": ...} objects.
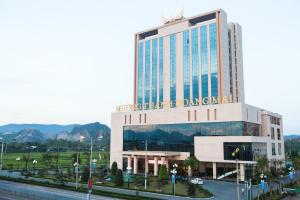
[{"x": 189, "y": 100}]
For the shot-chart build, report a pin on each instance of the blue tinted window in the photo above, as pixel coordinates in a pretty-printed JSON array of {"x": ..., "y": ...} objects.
[
  {"x": 213, "y": 59},
  {"x": 186, "y": 65},
  {"x": 161, "y": 67},
  {"x": 204, "y": 67},
  {"x": 195, "y": 64},
  {"x": 147, "y": 73},
  {"x": 154, "y": 71},
  {"x": 173, "y": 69},
  {"x": 140, "y": 72},
  {"x": 180, "y": 137}
]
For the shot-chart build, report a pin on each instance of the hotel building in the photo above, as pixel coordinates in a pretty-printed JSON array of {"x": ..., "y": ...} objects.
[{"x": 189, "y": 100}]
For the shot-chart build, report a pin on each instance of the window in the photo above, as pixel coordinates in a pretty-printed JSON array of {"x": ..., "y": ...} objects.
[
  {"x": 154, "y": 71},
  {"x": 147, "y": 74},
  {"x": 273, "y": 149},
  {"x": 145, "y": 118},
  {"x": 140, "y": 72},
  {"x": 173, "y": 70},
  {"x": 140, "y": 118},
  {"x": 129, "y": 119},
  {"x": 215, "y": 112},
  {"x": 189, "y": 115},
  {"x": 272, "y": 134},
  {"x": 278, "y": 134},
  {"x": 186, "y": 65},
  {"x": 125, "y": 119},
  {"x": 195, "y": 115},
  {"x": 161, "y": 66},
  {"x": 279, "y": 149},
  {"x": 195, "y": 64},
  {"x": 213, "y": 59},
  {"x": 204, "y": 60},
  {"x": 207, "y": 114}
]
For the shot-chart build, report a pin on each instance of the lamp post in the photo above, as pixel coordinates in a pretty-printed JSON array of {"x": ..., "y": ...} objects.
[
  {"x": 174, "y": 172},
  {"x": 263, "y": 178},
  {"x": 146, "y": 163},
  {"x": 1, "y": 152},
  {"x": 76, "y": 165},
  {"x": 34, "y": 164},
  {"x": 18, "y": 159},
  {"x": 128, "y": 175},
  {"x": 235, "y": 155},
  {"x": 291, "y": 173}
]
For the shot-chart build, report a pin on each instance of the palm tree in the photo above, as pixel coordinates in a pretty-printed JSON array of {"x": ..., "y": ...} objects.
[
  {"x": 192, "y": 163},
  {"x": 262, "y": 164}
]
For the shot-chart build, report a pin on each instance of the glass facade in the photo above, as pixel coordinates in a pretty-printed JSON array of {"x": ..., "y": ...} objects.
[
  {"x": 186, "y": 65},
  {"x": 204, "y": 62},
  {"x": 147, "y": 73},
  {"x": 248, "y": 151},
  {"x": 140, "y": 72},
  {"x": 173, "y": 69},
  {"x": 213, "y": 59},
  {"x": 195, "y": 64},
  {"x": 154, "y": 71},
  {"x": 161, "y": 69},
  {"x": 180, "y": 137}
]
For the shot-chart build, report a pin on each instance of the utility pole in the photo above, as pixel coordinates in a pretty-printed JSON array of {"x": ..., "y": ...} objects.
[
  {"x": 146, "y": 163},
  {"x": 1, "y": 155},
  {"x": 235, "y": 154},
  {"x": 90, "y": 179}
]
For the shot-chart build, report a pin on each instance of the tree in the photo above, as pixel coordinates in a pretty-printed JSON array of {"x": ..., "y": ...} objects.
[
  {"x": 26, "y": 159},
  {"x": 47, "y": 158},
  {"x": 85, "y": 174},
  {"x": 114, "y": 168},
  {"x": 262, "y": 164},
  {"x": 191, "y": 190},
  {"x": 163, "y": 173},
  {"x": 119, "y": 178},
  {"x": 192, "y": 163}
]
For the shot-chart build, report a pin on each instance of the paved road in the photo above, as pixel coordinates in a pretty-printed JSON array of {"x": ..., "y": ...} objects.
[{"x": 11, "y": 190}]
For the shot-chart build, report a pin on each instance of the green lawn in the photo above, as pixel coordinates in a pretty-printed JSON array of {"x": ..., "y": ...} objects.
[
  {"x": 64, "y": 161},
  {"x": 180, "y": 188}
]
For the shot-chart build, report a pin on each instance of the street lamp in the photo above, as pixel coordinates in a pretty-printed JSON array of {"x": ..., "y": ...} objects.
[
  {"x": 174, "y": 172},
  {"x": 94, "y": 162},
  {"x": 76, "y": 165},
  {"x": 235, "y": 155},
  {"x": 18, "y": 159},
  {"x": 263, "y": 178},
  {"x": 1, "y": 152},
  {"x": 128, "y": 175},
  {"x": 34, "y": 164},
  {"x": 291, "y": 173}
]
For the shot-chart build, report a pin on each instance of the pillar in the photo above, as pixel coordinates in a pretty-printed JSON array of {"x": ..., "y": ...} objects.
[
  {"x": 163, "y": 160},
  {"x": 167, "y": 164},
  {"x": 135, "y": 165},
  {"x": 155, "y": 166},
  {"x": 214, "y": 170},
  {"x": 129, "y": 160},
  {"x": 242, "y": 172},
  {"x": 146, "y": 165}
]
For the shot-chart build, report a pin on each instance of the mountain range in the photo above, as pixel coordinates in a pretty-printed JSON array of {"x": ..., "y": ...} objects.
[{"x": 42, "y": 132}]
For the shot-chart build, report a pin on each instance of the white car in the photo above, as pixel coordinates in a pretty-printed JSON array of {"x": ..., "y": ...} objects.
[{"x": 197, "y": 181}]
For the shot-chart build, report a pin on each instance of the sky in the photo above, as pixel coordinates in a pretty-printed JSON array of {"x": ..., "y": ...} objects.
[{"x": 71, "y": 61}]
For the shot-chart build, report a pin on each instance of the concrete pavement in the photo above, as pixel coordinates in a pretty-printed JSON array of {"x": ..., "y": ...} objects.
[{"x": 13, "y": 190}]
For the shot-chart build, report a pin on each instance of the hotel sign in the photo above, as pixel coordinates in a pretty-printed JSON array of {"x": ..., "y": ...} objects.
[{"x": 172, "y": 104}]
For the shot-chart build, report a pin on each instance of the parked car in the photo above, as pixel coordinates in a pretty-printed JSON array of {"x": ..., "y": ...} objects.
[{"x": 197, "y": 181}]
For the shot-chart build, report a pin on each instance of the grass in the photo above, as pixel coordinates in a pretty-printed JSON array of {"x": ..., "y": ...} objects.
[
  {"x": 180, "y": 187},
  {"x": 65, "y": 160}
]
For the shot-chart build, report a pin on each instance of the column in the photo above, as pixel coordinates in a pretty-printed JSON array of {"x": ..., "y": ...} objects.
[
  {"x": 167, "y": 164},
  {"x": 242, "y": 172},
  {"x": 155, "y": 166},
  {"x": 214, "y": 170},
  {"x": 135, "y": 165},
  {"x": 163, "y": 160},
  {"x": 129, "y": 160},
  {"x": 146, "y": 165}
]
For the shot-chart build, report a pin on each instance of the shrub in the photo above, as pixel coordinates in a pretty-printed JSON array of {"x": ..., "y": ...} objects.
[
  {"x": 114, "y": 168},
  {"x": 191, "y": 190},
  {"x": 119, "y": 178},
  {"x": 163, "y": 174}
]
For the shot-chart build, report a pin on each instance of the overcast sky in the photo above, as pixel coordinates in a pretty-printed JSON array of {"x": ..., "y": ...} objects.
[{"x": 72, "y": 61}]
